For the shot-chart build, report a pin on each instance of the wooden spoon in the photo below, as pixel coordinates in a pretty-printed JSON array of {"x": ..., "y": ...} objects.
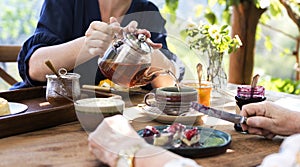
[
  {"x": 199, "y": 72},
  {"x": 64, "y": 85},
  {"x": 254, "y": 83},
  {"x": 51, "y": 67}
]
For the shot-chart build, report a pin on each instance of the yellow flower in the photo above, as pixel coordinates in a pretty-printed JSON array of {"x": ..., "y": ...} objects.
[{"x": 217, "y": 38}]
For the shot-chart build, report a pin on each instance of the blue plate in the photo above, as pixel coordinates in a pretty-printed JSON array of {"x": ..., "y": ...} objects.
[{"x": 212, "y": 142}]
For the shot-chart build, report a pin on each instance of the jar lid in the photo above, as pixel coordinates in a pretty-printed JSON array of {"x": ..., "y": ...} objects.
[
  {"x": 65, "y": 76},
  {"x": 138, "y": 42},
  {"x": 246, "y": 92}
]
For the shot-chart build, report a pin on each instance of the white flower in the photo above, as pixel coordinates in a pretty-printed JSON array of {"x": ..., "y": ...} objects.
[
  {"x": 213, "y": 31},
  {"x": 238, "y": 40},
  {"x": 264, "y": 3}
]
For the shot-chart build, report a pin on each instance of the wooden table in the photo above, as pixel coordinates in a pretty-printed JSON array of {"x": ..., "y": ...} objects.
[{"x": 66, "y": 145}]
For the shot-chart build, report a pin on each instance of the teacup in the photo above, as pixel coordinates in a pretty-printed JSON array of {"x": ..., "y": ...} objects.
[{"x": 170, "y": 100}]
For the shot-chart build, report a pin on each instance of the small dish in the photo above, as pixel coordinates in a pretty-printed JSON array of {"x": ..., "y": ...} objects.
[
  {"x": 16, "y": 108},
  {"x": 212, "y": 142},
  {"x": 190, "y": 117},
  {"x": 91, "y": 111}
]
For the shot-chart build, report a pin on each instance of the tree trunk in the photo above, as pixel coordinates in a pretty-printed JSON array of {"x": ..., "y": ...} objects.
[{"x": 244, "y": 22}]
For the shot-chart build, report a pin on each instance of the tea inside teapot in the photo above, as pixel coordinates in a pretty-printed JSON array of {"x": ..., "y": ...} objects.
[
  {"x": 127, "y": 62},
  {"x": 130, "y": 75}
]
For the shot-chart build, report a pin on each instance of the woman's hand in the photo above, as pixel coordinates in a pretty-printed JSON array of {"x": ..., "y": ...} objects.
[
  {"x": 113, "y": 135},
  {"x": 268, "y": 119},
  {"x": 100, "y": 35},
  {"x": 132, "y": 27}
]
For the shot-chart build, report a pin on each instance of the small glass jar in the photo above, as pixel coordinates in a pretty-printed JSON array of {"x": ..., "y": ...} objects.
[
  {"x": 66, "y": 85},
  {"x": 246, "y": 95}
]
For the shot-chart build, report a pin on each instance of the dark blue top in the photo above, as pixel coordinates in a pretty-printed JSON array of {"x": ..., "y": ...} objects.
[{"x": 65, "y": 20}]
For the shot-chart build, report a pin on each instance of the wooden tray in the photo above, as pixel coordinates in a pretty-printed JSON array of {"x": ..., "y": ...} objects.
[{"x": 40, "y": 114}]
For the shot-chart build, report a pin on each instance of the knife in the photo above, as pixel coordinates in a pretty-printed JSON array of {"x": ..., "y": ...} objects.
[{"x": 235, "y": 118}]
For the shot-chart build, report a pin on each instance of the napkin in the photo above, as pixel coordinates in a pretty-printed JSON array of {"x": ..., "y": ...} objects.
[
  {"x": 288, "y": 155},
  {"x": 289, "y": 103}
]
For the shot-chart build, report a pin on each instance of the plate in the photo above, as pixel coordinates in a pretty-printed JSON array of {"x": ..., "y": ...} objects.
[
  {"x": 190, "y": 118},
  {"x": 213, "y": 141},
  {"x": 16, "y": 108}
]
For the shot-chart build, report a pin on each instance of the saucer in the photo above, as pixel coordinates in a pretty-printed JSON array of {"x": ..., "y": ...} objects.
[{"x": 189, "y": 118}]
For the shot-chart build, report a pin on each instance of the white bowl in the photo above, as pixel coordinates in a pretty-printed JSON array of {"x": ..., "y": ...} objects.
[{"x": 91, "y": 111}]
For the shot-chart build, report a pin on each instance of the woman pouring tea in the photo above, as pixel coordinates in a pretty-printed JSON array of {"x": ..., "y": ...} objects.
[{"x": 74, "y": 34}]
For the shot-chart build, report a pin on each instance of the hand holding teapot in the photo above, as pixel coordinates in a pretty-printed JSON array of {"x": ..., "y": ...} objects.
[{"x": 127, "y": 61}]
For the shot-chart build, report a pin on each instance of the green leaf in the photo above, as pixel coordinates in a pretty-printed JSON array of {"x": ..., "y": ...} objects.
[
  {"x": 226, "y": 16},
  {"x": 183, "y": 34},
  {"x": 258, "y": 33},
  {"x": 199, "y": 10},
  {"x": 275, "y": 9},
  {"x": 224, "y": 27},
  {"x": 211, "y": 17},
  {"x": 268, "y": 44},
  {"x": 172, "y": 5},
  {"x": 212, "y": 3}
]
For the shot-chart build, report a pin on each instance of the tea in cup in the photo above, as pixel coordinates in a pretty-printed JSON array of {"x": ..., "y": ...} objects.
[
  {"x": 171, "y": 100},
  {"x": 204, "y": 91}
]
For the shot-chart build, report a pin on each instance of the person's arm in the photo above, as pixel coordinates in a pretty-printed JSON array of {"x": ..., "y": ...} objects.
[
  {"x": 115, "y": 134},
  {"x": 70, "y": 54},
  {"x": 268, "y": 119}
]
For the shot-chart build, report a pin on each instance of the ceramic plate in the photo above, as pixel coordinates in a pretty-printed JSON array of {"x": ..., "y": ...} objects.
[
  {"x": 212, "y": 142},
  {"x": 16, "y": 108},
  {"x": 159, "y": 116}
]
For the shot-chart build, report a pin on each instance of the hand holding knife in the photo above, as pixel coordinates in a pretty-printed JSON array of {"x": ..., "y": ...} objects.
[{"x": 235, "y": 118}]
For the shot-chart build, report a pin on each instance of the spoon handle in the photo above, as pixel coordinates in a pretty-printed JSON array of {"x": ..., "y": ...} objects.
[
  {"x": 64, "y": 84},
  {"x": 51, "y": 67},
  {"x": 199, "y": 72},
  {"x": 254, "y": 83}
]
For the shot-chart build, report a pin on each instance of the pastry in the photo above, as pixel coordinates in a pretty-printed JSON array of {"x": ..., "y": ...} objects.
[
  {"x": 172, "y": 136},
  {"x": 191, "y": 137},
  {"x": 163, "y": 139},
  {"x": 4, "y": 107}
]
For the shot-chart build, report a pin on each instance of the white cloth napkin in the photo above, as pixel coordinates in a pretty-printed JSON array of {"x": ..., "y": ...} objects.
[
  {"x": 288, "y": 156},
  {"x": 289, "y": 103}
]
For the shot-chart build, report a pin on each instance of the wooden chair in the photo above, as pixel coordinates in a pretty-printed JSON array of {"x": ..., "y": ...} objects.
[{"x": 8, "y": 53}]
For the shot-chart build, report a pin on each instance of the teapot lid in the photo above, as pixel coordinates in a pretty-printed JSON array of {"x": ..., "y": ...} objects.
[{"x": 138, "y": 42}]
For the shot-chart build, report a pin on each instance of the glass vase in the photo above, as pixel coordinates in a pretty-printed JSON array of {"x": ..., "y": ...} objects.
[{"x": 215, "y": 70}]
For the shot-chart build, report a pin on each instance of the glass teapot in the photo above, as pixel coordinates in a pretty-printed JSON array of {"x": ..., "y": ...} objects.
[{"x": 127, "y": 62}]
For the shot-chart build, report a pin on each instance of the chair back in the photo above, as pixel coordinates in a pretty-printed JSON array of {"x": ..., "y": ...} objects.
[{"x": 8, "y": 53}]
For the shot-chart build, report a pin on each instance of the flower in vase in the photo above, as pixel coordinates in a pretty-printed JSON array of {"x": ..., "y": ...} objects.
[
  {"x": 215, "y": 42},
  {"x": 204, "y": 36}
]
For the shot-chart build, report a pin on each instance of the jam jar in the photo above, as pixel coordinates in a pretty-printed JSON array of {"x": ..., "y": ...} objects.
[
  {"x": 60, "y": 89},
  {"x": 245, "y": 95}
]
